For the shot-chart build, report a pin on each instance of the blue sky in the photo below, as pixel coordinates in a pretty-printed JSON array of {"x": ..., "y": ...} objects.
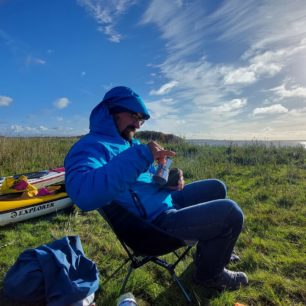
[{"x": 233, "y": 70}]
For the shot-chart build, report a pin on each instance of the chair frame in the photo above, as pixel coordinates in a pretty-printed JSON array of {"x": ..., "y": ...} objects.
[{"x": 139, "y": 258}]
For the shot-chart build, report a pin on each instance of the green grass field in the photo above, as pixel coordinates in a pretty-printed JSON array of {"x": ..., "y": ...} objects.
[{"x": 269, "y": 183}]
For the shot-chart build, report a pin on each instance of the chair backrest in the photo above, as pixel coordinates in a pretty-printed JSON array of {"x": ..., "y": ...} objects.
[{"x": 143, "y": 237}]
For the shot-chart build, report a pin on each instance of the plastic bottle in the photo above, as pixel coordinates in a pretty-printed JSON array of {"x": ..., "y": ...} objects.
[
  {"x": 127, "y": 299},
  {"x": 88, "y": 301},
  {"x": 162, "y": 172}
]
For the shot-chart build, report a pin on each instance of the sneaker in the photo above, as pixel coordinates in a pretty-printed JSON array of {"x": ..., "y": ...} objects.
[
  {"x": 226, "y": 280},
  {"x": 234, "y": 258}
]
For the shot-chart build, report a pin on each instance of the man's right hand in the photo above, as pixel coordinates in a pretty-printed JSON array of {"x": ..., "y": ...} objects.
[{"x": 159, "y": 153}]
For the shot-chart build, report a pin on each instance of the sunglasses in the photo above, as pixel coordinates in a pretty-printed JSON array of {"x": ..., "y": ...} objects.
[{"x": 137, "y": 117}]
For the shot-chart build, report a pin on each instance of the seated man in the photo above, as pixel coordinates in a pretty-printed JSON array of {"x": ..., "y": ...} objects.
[{"x": 109, "y": 164}]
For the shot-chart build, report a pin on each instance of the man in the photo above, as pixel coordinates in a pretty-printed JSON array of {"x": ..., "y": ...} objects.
[{"x": 109, "y": 164}]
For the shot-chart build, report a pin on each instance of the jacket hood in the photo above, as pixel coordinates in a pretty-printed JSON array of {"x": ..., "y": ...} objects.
[{"x": 118, "y": 97}]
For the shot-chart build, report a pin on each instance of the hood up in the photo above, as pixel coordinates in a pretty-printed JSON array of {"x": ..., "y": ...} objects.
[{"x": 100, "y": 118}]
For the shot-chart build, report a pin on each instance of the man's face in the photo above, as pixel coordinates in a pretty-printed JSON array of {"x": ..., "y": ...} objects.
[{"x": 127, "y": 123}]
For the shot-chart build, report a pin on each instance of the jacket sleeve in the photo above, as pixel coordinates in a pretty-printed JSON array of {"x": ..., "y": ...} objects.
[{"x": 94, "y": 179}]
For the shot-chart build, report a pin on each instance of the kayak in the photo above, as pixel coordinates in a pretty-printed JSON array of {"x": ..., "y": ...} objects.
[
  {"x": 38, "y": 179},
  {"x": 15, "y": 208}
]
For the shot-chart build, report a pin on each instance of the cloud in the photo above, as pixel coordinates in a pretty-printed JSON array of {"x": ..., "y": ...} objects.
[
  {"x": 5, "y": 101},
  {"x": 61, "y": 103},
  {"x": 179, "y": 24},
  {"x": 164, "y": 116},
  {"x": 273, "y": 109},
  {"x": 30, "y": 60},
  {"x": 189, "y": 26},
  {"x": 21, "y": 129},
  {"x": 294, "y": 91},
  {"x": 161, "y": 108},
  {"x": 164, "y": 89},
  {"x": 232, "y": 20},
  {"x": 106, "y": 13},
  {"x": 233, "y": 105},
  {"x": 261, "y": 25},
  {"x": 261, "y": 66},
  {"x": 218, "y": 54}
]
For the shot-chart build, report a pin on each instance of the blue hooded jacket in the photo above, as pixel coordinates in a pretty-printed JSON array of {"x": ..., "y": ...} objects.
[{"x": 103, "y": 167}]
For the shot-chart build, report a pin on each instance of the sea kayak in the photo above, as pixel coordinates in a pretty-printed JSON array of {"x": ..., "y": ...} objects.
[{"x": 15, "y": 209}]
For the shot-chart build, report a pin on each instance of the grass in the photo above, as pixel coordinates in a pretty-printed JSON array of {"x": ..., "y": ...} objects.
[{"x": 269, "y": 183}]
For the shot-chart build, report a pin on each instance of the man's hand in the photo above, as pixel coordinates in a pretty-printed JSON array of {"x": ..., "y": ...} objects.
[
  {"x": 176, "y": 180},
  {"x": 159, "y": 153}
]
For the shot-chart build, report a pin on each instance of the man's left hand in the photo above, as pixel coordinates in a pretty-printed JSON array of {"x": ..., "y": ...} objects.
[{"x": 176, "y": 180}]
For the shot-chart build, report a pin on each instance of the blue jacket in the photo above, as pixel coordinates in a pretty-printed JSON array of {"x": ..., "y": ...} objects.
[{"x": 103, "y": 167}]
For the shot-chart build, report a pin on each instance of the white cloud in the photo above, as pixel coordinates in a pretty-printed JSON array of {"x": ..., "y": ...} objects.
[
  {"x": 233, "y": 105},
  {"x": 233, "y": 20},
  {"x": 106, "y": 14},
  {"x": 30, "y": 60},
  {"x": 254, "y": 44},
  {"x": 161, "y": 108},
  {"x": 181, "y": 24},
  {"x": 21, "y": 129},
  {"x": 5, "y": 101},
  {"x": 273, "y": 109},
  {"x": 294, "y": 91},
  {"x": 164, "y": 116},
  {"x": 61, "y": 103},
  {"x": 262, "y": 64},
  {"x": 260, "y": 24},
  {"x": 164, "y": 89},
  {"x": 240, "y": 75}
]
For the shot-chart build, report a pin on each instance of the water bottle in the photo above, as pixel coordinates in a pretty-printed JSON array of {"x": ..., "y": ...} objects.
[
  {"x": 162, "y": 172},
  {"x": 126, "y": 299},
  {"x": 88, "y": 301}
]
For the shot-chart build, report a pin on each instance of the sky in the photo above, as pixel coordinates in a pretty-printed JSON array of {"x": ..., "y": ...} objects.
[{"x": 228, "y": 70}]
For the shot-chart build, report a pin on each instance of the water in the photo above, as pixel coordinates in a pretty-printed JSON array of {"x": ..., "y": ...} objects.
[{"x": 277, "y": 143}]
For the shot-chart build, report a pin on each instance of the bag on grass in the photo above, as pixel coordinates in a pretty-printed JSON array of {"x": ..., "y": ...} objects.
[{"x": 57, "y": 274}]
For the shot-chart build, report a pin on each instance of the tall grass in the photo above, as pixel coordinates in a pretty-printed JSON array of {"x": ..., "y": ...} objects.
[
  {"x": 20, "y": 155},
  {"x": 269, "y": 183}
]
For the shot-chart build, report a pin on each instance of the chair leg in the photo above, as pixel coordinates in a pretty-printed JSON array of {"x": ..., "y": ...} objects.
[
  {"x": 170, "y": 268},
  {"x": 182, "y": 255},
  {"x": 130, "y": 270},
  {"x": 116, "y": 271},
  {"x": 178, "y": 282}
]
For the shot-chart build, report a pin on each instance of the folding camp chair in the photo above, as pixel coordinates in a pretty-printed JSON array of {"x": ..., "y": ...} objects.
[{"x": 144, "y": 242}]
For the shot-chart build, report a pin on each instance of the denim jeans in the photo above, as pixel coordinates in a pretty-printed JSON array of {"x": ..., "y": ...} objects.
[{"x": 203, "y": 213}]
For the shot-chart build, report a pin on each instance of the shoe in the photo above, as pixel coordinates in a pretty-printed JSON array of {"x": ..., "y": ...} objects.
[
  {"x": 234, "y": 258},
  {"x": 226, "y": 280}
]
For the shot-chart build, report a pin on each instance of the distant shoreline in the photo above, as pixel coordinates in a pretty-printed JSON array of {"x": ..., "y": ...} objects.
[{"x": 277, "y": 143}]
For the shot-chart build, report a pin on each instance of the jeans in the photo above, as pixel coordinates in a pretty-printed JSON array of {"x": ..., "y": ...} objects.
[{"x": 203, "y": 213}]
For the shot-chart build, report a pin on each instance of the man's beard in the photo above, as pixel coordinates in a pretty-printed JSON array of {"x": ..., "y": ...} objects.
[{"x": 128, "y": 133}]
